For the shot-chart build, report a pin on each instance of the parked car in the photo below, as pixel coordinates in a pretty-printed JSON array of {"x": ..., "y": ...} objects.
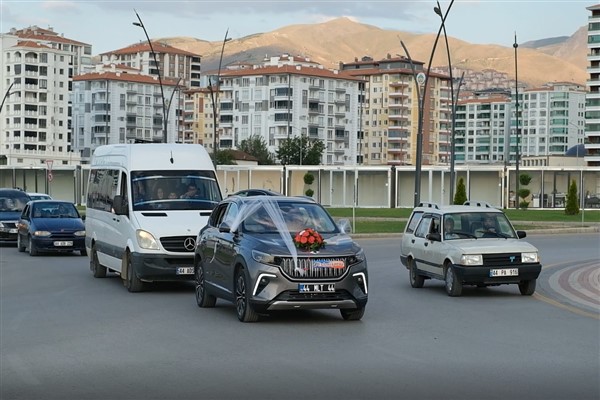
[
  {"x": 12, "y": 202},
  {"x": 266, "y": 253},
  {"x": 50, "y": 225},
  {"x": 472, "y": 244},
  {"x": 256, "y": 192},
  {"x": 39, "y": 196}
]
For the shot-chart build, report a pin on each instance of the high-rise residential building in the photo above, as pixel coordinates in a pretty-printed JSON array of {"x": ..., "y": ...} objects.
[
  {"x": 285, "y": 100},
  {"x": 173, "y": 63},
  {"x": 389, "y": 110},
  {"x": 118, "y": 104},
  {"x": 592, "y": 109},
  {"x": 36, "y": 78},
  {"x": 198, "y": 118}
]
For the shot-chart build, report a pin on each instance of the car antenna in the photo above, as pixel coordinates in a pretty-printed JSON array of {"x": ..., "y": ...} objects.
[{"x": 171, "y": 159}]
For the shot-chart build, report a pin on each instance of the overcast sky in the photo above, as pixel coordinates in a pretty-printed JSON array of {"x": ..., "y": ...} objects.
[{"x": 107, "y": 25}]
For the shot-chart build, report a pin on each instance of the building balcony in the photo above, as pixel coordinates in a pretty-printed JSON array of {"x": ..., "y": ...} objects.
[{"x": 395, "y": 95}]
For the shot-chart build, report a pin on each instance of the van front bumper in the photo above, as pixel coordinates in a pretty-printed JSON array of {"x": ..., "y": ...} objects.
[{"x": 163, "y": 267}]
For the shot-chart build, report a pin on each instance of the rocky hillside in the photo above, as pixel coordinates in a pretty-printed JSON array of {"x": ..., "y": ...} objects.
[{"x": 343, "y": 40}]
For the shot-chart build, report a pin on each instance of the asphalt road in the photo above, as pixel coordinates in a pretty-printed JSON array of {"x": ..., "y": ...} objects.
[{"x": 67, "y": 335}]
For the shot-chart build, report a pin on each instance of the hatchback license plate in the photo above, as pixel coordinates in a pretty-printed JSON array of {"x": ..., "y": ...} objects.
[
  {"x": 63, "y": 243},
  {"x": 504, "y": 272},
  {"x": 316, "y": 287},
  {"x": 184, "y": 271}
]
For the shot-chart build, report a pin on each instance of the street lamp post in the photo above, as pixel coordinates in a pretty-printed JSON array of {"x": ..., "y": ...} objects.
[
  {"x": 8, "y": 93},
  {"x": 214, "y": 97},
  {"x": 518, "y": 151},
  {"x": 177, "y": 88},
  {"x": 162, "y": 93},
  {"x": 419, "y": 155}
]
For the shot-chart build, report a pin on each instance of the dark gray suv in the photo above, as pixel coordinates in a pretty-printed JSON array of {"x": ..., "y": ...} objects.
[{"x": 266, "y": 253}]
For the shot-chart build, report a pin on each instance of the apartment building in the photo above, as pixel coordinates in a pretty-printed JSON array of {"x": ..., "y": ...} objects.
[
  {"x": 592, "y": 117},
  {"x": 198, "y": 119},
  {"x": 288, "y": 100},
  {"x": 389, "y": 110},
  {"x": 119, "y": 104},
  {"x": 36, "y": 78},
  {"x": 173, "y": 63}
]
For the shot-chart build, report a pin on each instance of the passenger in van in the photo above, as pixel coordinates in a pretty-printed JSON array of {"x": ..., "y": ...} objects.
[
  {"x": 173, "y": 195},
  {"x": 192, "y": 192},
  {"x": 160, "y": 194}
]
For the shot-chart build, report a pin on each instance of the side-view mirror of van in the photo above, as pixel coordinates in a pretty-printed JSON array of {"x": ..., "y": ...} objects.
[{"x": 120, "y": 205}]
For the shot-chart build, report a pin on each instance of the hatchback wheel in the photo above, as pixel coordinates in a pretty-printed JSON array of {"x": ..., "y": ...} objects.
[
  {"x": 527, "y": 288},
  {"x": 243, "y": 308},
  {"x": 453, "y": 285},
  {"x": 203, "y": 299},
  {"x": 416, "y": 280},
  {"x": 33, "y": 251}
]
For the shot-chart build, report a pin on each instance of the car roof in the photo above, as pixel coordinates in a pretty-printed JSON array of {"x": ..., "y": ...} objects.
[
  {"x": 473, "y": 207},
  {"x": 38, "y": 194},
  {"x": 263, "y": 198}
]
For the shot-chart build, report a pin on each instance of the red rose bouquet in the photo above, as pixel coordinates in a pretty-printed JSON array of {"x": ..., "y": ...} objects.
[{"x": 309, "y": 239}]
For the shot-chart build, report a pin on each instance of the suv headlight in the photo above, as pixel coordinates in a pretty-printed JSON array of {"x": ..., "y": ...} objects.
[
  {"x": 146, "y": 240},
  {"x": 530, "y": 257},
  {"x": 357, "y": 258},
  {"x": 471, "y": 259},
  {"x": 263, "y": 258}
]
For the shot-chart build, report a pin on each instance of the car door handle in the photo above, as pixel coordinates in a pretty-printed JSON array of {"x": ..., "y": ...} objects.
[
  {"x": 413, "y": 241},
  {"x": 426, "y": 244}
]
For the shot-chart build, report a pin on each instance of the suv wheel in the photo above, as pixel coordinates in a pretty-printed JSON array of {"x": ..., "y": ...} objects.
[
  {"x": 353, "y": 315},
  {"x": 527, "y": 287},
  {"x": 203, "y": 299},
  {"x": 244, "y": 310},
  {"x": 453, "y": 285},
  {"x": 416, "y": 280}
]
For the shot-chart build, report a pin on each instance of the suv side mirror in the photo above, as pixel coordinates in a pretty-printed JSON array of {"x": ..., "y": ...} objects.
[
  {"x": 345, "y": 225},
  {"x": 224, "y": 227}
]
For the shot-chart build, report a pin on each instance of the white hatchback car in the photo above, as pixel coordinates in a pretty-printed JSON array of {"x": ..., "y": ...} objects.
[
  {"x": 39, "y": 196},
  {"x": 472, "y": 244}
]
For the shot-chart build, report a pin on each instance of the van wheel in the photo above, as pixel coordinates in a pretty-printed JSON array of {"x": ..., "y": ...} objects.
[
  {"x": 203, "y": 299},
  {"x": 453, "y": 285},
  {"x": 527, "y": 288},
  {"x": 33, "y": 251},
  {"x": 353, "y": 315},
  {"x": 98, "y": 270},
  {"x": 20, "y": 245},
  {"x": 245, "y": 312},
  {"x": 416, "y": 280},
  {"x": 133, "y": 283}
]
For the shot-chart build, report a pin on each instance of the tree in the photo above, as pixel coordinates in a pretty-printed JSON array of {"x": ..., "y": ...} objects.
[
  {"x": 572, "y": 207},
  {"x": 300, "y": 150},
  {"x": 461, "y": 192},
  {"x": 256, "y": 146},
  {"x": 224, "y": 157},
  {"x": 524, "y": 180}
]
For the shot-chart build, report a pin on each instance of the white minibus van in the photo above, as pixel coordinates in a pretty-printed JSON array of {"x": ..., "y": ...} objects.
[{"x": 146, "y": 204}]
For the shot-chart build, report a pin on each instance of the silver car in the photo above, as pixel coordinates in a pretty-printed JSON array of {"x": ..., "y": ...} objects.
[
  {"x": 472, "y": 244},
  {"x": 267, "y": 253}
]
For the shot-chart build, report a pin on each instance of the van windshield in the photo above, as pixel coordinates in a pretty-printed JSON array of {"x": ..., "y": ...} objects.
[{"x": 174, "y": 190}]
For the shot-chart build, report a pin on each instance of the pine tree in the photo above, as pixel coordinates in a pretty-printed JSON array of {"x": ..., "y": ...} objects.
[
  {"x": 461, "y": 192},
  {"x": 572, "y": 207}
]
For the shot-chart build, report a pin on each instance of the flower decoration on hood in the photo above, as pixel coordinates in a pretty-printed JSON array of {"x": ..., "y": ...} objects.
[{"x": 309, "y": 239}]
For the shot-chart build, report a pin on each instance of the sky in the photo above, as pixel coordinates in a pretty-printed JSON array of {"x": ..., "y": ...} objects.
[{"x": 107, "y": 25}]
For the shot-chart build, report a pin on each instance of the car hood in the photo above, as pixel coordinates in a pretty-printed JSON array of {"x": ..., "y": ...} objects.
[
  {"x": 487, "y": 246},
  {"x": 10, "y": 215},
  {"x": 335, "y": 245},
  {"x": 171, "y": 223},
  {"x": 58, "y": 224}
]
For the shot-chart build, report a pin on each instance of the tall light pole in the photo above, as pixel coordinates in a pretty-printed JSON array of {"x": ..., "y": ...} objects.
[
  {"x": 8, "y": 93},
  {"x": 214, "y": 97},
  {"x": 162, "y": 93},
  {"x": 518, "y": 151},
  {"x": 177, "y": 88},
  {"x": 419, "y": 152}
]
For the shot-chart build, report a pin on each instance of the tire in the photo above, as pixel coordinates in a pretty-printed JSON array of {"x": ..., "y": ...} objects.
[
  {"x": 98, "y": 270},
  {"x": 83, "y": 252},
  {"x": 20, "y": 246},
  {"x": 453, "y": 285},
  {"x": 527, "y": 288},
  {"x": 244, "y": 310},
  {"x": 33, "y": 251},
  {"x": 133, "y": 283},
  {"x": 203, "y": 299},
  {"x": 353, "y": 315},
  {"x": 416, "y": 280}
]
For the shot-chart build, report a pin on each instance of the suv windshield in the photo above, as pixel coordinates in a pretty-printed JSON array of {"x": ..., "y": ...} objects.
[
  {"x": 477, "y": 224},
  {"x": 174, "y": 190},
  {"x": 288, "y": 216}
]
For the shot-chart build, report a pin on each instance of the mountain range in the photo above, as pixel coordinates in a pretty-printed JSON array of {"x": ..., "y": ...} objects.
[{"x": 559, "y": 59}]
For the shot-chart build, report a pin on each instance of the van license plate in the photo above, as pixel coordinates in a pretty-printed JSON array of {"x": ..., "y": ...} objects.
[
  {"x": 184, "y": 271},
  {"x": 63, "y": 243},
  {"x": 316, "y": 287},
  {"x": 504, "y": 272}
]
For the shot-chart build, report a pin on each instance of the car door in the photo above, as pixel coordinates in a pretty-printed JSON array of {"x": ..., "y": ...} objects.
[
  {"x": 424, "y": 249},
  {"x": 23, "y": 224},
  {"x": 433, "y": 250},
  {"x": 209, "y": 242},
  {"x": 225, "y": 256}
]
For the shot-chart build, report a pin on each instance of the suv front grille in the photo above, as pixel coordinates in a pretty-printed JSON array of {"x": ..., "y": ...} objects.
[
  {"x": 314, "y": 268},
  {"x": 179, "y": 244},
  {"x": 501, "y": 260}
]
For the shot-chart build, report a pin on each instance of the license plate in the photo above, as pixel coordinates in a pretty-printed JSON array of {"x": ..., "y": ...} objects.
[
  {"x": 63, "y": 243},
  {"x": 333, "y": 264},
  {"x": 316, "y": 287},
  {"x": 184, "y": 271},
  {"x": 504, "y": 272}
]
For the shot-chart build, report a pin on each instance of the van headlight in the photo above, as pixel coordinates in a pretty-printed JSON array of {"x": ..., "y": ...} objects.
[
  {"x": 530, "y": 257},
  {"x": 146, "y": 240},
  {"x": 471, "y": 259}
]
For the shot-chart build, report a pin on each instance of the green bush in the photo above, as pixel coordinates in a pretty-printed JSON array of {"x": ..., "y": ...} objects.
[
  {"x": 309, "y": 178},
  {"x": 309, "y": 192},
  {"x": 461, "y": 192}
]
